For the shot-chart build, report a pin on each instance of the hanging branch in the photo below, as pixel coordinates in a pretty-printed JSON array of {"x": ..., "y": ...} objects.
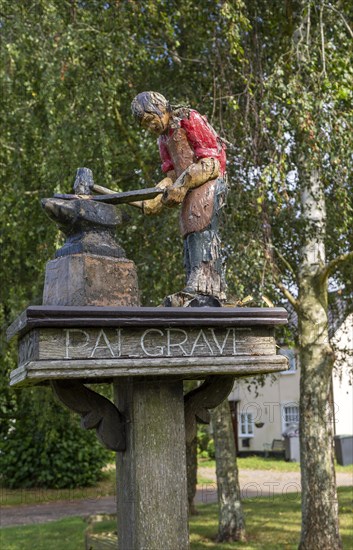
[
  {"x": 286, "y": 263},
  {"x": 336, "y": 263},
  {"x": 330, "y": 7},
  {"x": 291, "y": 299},
  {"x": 269, "y": 248},
  {"x": 322, "y": 33}
]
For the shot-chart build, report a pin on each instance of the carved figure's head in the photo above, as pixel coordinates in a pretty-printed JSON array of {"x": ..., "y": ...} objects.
[{"x": 152, "y": 110}]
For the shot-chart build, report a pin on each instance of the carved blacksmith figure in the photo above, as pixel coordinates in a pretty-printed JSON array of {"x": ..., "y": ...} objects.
[{"x": 194, "y": 160}]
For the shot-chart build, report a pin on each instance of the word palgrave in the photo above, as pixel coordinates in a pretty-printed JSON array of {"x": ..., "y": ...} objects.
[{"x": 154, "y": 342}]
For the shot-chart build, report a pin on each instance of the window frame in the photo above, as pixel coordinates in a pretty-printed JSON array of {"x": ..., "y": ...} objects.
[
  {"x": 289, "y": 405},
  {"x": 248, "y": 422}
]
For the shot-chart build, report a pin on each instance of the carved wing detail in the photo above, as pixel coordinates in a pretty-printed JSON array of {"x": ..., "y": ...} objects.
[
  {"x": 96, "y": 412},
  {"x": 209, "y": 395}
]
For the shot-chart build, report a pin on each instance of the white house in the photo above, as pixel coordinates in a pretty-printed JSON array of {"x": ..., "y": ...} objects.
[{"x": 262, "y": 413}]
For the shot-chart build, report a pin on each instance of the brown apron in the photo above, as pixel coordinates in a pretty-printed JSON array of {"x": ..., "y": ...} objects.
[{"x": 197, "y": 207}]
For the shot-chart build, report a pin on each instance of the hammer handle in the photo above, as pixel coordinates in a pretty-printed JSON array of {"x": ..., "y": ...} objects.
[{"x": 103, "y": 190}]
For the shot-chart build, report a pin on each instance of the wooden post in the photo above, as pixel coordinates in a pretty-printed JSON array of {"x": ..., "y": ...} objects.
[{"x": 151, "y": 473}]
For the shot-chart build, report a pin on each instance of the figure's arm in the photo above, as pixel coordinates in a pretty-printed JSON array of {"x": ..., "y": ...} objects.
[
  {"x": 154, "y": 206},
  {"x": 196, "y": 174},
  {"x": 208, "y": 152}
]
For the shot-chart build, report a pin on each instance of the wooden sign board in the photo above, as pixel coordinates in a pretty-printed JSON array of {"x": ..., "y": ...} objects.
[{"x": 84, "y": 344}]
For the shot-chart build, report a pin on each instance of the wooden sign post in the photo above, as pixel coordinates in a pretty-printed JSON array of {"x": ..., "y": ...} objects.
[
  {"x": 146, "y": 353},
  {"x": 91, "y": 329}
]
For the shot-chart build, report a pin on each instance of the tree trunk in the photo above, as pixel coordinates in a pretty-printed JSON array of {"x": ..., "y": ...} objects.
[
  {"x": 320, "y": 530},
  {"x": 231, "y": 517},
  {"x": 191, "y": 471}
]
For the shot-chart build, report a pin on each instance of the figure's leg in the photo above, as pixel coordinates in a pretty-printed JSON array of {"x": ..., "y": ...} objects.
[
  {"x": 187, "y": 265},
  {"x": 203, "y": 258}
]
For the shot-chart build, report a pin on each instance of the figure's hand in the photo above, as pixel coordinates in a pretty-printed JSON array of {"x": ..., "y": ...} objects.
[
  {"x": 154, "y": 206},
  {"x": 195, "y": 175},
  {"x": 174, "y": 195}
]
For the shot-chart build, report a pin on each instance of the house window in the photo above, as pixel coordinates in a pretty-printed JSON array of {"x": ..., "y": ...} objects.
[
  {"x": 291, "y": 356},
  {"x": 290, "y": 415},
  {"x": 246, "y": 425}
]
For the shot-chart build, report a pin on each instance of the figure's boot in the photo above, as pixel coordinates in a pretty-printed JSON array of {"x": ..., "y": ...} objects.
[{"x": 206, "y": 280}]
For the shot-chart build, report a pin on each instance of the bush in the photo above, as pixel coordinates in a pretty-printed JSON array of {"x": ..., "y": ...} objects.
[
  {"x": 46, "y": 447},
  {"x": 203, "y": 437},
  {"x": 210, "y": 449},
  {"x": 205, "y": 443}
]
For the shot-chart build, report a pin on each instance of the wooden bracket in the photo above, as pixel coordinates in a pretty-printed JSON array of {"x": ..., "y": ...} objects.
[
  {"x": 209, "y": 395},
  {"x": 96, "y": 412}
]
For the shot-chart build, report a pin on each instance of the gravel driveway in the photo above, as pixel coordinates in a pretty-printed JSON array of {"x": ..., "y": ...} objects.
[{"x": 253, "y": 483}]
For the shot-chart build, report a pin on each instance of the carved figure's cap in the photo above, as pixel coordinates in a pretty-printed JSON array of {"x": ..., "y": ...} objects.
[{"x": 149, "y": 102}]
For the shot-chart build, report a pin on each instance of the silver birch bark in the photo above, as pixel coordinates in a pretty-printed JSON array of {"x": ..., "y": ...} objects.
[
  {"x": 231, "y": 517},
  {"x": 320, "y": 529}
]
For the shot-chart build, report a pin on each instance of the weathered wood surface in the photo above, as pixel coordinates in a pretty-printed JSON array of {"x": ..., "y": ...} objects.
[
  {"x": 105, "y": 342},
  {"x": 75, "y": 316},
  {"x": 151, "y": 474},
  {"x": 102, "y": 541},
  {"x": 36, "y": 372},
  {"x": 96, "y": 411},
  {"x": 140, "y": 343},
  {"x": 47, "y": 354},
  {"x": 82, "y": 279}
]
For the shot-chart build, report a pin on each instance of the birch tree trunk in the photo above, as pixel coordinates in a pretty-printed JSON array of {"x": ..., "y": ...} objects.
[
  {"x": 231, "y": 516},
  {"x": 320, "y": 529}
]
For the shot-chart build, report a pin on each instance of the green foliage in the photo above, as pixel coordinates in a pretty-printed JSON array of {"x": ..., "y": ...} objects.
[
  {"x": 273, "y": 77},
  {"x": 203, "y": 436},
  {"x": 45, "y": 447},
  {"x": 205, "y": 443},
  {"x": 211, "y": 449},
  {"x": 69, "y": 71}
]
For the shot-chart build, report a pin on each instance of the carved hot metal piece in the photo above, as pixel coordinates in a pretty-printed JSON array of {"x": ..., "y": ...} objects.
[
  {"x": 194, "y": 159},
  {"x": 117, "y": 198}
]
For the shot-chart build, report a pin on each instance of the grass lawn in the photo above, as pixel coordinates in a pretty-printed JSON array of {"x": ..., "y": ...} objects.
[
  {"x": 65, "y": 534},
  {"x": 16, "y": 497},
  {"x": 273, "y": 524},
  {"x": 262, "y": 463}
]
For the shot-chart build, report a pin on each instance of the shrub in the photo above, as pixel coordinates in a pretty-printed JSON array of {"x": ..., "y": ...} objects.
[
  {"x": 46, "y": 447},
  {"x": 203, "y": 437},
  {"x": 210, "y": 449}
]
